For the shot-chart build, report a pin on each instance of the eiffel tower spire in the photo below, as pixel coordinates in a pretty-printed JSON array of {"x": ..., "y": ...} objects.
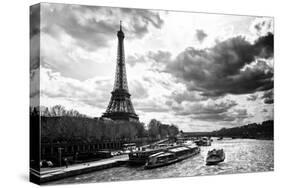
[{"x": 120, "y": 106}]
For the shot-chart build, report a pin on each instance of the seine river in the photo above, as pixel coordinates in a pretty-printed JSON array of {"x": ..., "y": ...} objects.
[{"x": 242, "y": 155}]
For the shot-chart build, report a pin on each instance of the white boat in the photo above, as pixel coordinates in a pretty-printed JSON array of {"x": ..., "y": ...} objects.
[
  {"x": 215, "y": 156},
  {"x": 171, "y": 156}
]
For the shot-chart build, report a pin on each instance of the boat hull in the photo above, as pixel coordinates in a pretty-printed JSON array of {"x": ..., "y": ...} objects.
[
  {"x": 215, "y": 161},
  {"x": 178, "y": 159},
  {"x": 140, "y": 158}
]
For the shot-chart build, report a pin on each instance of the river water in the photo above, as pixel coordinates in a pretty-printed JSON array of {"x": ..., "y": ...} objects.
[{"x": 242, "y": 155}]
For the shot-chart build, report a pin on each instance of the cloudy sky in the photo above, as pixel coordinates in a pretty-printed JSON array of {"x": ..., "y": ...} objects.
[{"x": 199, "y": 71}]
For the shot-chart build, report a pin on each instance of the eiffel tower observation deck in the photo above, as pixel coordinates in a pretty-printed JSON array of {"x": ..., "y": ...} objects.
[{"x": 120, "y": 106}]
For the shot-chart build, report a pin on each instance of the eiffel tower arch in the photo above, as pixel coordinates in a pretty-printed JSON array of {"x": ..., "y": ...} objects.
[{"x": 120, "y": 106}]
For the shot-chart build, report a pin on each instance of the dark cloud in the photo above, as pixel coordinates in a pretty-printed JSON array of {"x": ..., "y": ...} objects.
[
  {"x": 209, "y": 108},
  {"x": 252, "y": 97},
  {"x": 264, "y": 46},
  {"x": 226, "y": 68},
  {"x": 200, "y": 35},
  {"x": 34, "y": 19},
  {"x": 93, "y": 27},
  {"x": 223, "y": 113},
  {"x": 214, "y": 117},
  {"x": 180, "y": 96},
  {"x": 268, "y": 97}
]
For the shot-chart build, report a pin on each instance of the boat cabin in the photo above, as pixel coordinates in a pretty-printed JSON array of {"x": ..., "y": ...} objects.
[
  {"x": 130, "y": 146},
  {"x": 160, "y": 157}
]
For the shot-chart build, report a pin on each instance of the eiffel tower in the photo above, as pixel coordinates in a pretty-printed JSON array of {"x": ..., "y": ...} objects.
[{"x": 120, "y": 106}]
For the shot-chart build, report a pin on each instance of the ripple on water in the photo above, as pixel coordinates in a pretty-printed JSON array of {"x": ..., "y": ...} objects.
[{"x": 242, "y": 155}]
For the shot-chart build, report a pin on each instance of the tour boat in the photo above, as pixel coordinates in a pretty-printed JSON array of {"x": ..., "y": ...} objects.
[
  {"x": 215, "y": 156},
  {"x": 140, "y": 157},
  {"x": 171, "y": 156}
]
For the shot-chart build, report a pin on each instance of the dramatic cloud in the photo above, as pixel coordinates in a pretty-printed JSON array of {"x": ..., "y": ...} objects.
[
  {"x": 80, "y": 41},
  {"x": 180, "y": 96},
  {"x": 222, "y": 79},
  {"x": 92, "y": 27},
  {"x": 268, "y": 97},
  {"x": 223, "y": 69},
  {"x": 263, "y": 46},
  {"x": 200, "y": 35},
  {"x": 208, "y": 107},
  {"x": 214, "y": 111},
  {"x": 214, "y": 117}
]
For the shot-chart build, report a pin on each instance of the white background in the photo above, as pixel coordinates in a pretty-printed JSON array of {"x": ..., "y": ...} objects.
[{"x": 14, "y": 92}]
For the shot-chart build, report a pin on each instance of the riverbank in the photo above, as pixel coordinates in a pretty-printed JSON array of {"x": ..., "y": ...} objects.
[{"x": 51, "y": 174}]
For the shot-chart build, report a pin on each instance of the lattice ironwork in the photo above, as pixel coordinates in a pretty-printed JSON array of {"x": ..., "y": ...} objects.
[{"x": 120, "y": 106}]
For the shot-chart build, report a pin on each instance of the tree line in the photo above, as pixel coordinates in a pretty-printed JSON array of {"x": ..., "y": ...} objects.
[
  {"x": 61, "y": 125},
  {"x": 262, "y": 130},
  {"x": 59, "y": 110},
  {"x": 156, "y": 129}
]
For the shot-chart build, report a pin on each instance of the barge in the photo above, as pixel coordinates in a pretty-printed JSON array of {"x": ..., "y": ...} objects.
[{"x": 171, "y": 156}]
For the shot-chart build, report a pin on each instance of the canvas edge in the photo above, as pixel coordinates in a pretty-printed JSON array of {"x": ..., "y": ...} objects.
[{"x": 34, "y": 120}]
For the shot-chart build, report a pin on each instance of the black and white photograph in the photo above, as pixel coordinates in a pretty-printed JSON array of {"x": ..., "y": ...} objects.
[{"x": 120, "y": 94}]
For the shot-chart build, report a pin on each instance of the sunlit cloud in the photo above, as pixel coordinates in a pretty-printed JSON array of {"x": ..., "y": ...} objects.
[{"x": 205, "y": 73}]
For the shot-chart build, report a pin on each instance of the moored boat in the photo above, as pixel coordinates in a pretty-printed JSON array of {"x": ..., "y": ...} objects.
[
  {"x": 140, "y": 156},
  {"x": 215, "y": 156},
  {"x": 171, "y": 156}
]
